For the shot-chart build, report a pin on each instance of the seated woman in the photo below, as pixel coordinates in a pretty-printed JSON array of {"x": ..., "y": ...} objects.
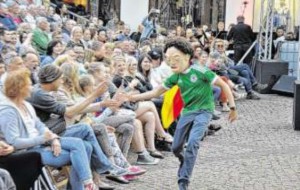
[
  {"x": 143, "y": 71},
  {"x": 76, "y": 37},
  {"x": 122, "y": 124},
  {"x": 70, "y": 92},
  {"x": 54, "y": 49},
  {"x": 144, "y": 85},
  {"x": 242, "y": 69},
  {"x": 22, "y": 129},
  {"x": 145, "y": 110},
  {"x": 99, "y": 72},
  {"x": 24, "y": 167},
  {"x": 118, "y": 157}
]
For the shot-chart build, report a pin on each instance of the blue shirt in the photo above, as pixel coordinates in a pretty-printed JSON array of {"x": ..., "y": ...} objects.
[{"x": 148, "y": 28}]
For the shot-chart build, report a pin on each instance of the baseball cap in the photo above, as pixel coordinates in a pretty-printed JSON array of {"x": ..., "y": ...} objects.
[{"x": 156, "y": 54}]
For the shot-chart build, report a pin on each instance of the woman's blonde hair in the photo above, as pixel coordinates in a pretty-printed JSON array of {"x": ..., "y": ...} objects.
[
  {"x": 117, "y": 58},
  {"x": 15, "y": 83},
  {"x": 71, "y": 78},
  {"x": 129, "y": 61}
]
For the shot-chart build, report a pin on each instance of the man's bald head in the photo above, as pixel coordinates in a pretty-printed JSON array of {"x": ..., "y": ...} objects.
[{"x": 31, "y": 61}]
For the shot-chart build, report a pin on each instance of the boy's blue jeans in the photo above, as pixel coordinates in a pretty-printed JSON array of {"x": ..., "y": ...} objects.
[{"x": 193, "y": 127}]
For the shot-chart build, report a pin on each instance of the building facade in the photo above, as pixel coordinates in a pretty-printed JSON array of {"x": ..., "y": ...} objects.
[{"x": 190, "y": 12}]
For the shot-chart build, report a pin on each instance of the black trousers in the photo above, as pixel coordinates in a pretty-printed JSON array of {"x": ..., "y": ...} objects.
[
  {"x": 23, "y": 167},
  {"x": 240, "y": 50}
]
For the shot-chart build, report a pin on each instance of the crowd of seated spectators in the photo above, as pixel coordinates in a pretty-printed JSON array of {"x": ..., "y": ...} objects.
[{"x": 63, "y": 86}]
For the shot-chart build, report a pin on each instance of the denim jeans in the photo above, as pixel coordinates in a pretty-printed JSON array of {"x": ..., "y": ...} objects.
[
  {"x": 193, "y": 127},
  {"x": 244, "y": 71},
  {"x": 239, "y": 79},
  {"x": 73, "y": 151},
  {"x": 246, "y": 83},
  {"x": 216, "y": 93},
  {"x": 85, "y": 132}
]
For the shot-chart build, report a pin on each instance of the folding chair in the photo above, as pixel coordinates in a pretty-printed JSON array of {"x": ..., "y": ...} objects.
[{"x": 52, "y": 179}]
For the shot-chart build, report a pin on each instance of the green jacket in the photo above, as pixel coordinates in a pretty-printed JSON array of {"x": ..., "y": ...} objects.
[{"x": 40, "y": 41}]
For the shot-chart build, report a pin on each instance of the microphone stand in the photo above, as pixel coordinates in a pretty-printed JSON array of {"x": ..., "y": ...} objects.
[{"x": 245, "y": 3}]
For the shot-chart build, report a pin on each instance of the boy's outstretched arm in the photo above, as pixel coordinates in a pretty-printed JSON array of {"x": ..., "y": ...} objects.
[{"x": 148, "y": 95}]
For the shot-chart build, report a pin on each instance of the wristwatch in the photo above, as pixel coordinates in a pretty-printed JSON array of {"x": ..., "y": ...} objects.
[{"x": 233, "y": 108}]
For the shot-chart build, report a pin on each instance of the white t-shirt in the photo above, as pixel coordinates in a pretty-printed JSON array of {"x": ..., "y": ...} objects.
[
  {"x": 159, "y": 74},
  {"x": 30, "y": 124}
]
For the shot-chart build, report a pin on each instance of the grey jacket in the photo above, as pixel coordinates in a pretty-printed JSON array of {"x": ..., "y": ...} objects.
[{"x": 13, "y": 129}]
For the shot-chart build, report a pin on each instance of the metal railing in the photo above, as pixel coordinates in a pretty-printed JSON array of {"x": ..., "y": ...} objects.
[{"x": 80, "y": 19}]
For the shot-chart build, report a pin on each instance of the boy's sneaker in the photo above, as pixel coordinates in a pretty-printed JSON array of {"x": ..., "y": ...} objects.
[
  {"x": 215, "y": 127},
  {"x": 146, "y": 159},
  {"x": 210, "y": 132},
  {"x": 183, "y": 185}
]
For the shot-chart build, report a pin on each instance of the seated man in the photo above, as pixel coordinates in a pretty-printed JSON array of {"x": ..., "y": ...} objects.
[{"x": 243, "y": 70}]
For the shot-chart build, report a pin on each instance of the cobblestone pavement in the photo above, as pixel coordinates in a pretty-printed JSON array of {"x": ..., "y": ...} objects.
[{"x": 259, "y": 151}]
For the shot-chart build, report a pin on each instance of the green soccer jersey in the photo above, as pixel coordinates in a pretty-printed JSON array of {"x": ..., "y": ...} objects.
[{"x": 196, "y": 88}]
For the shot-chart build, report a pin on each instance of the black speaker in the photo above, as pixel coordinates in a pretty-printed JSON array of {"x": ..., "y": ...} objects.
[
  {"x": 285, "y": 84},
  {"x": 266, "y": 69},
  {"x": 296, "y": 111}
]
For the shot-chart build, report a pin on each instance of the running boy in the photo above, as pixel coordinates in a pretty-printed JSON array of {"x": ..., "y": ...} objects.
[{"x": 195, "y": 84}]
